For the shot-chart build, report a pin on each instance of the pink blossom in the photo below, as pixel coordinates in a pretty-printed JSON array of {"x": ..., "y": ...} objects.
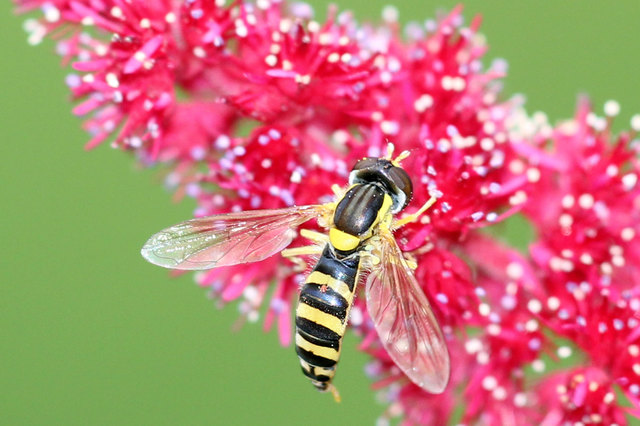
[
  {"x": 583, "y": 395},
  {"x": 258, "y": 106},
  {"x": 587, "y": 251}
]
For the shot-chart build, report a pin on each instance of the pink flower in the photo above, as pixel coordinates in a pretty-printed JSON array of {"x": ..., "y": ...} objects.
[
  {"x": 580, "y": 396},
  {"x": 257, "y": 106},
  {"x": 588, "y": 251}
]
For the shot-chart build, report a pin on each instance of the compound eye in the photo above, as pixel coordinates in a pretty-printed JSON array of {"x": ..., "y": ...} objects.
[
  {"x": 365, "y": 163},
  {"x": 401, "y": 180}
]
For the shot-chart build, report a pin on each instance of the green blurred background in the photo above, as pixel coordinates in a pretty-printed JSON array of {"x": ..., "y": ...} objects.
[{"x": 92, "y": 334}]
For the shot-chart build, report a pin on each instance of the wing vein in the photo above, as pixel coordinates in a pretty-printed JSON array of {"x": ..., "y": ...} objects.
[{"x": 405, "y": 323}]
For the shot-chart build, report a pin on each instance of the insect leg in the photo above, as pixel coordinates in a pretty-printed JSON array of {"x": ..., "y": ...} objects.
[
  {"x": 390, "y": 148},
  {"x": 315, "y": 236},
  {"x": 367, "y": 253},
  {"x": 293, "y": 255},
  {"x": 395, "y": 161},
  {"x": 410, "y": 260},
  {"x": 399, "y": 223},
  {"x": 302, "y": 251},
  {"x": 311, "y": 250},
  {"x": 337, "y": 190}
]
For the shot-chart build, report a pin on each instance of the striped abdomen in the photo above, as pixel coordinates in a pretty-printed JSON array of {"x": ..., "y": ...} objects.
[{"x": 322, "y": 314}]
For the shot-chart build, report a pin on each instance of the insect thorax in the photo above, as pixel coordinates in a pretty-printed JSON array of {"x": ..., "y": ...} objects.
[
  {"x": 380, "y": 187},
  {"x": 357, "y": 214}
]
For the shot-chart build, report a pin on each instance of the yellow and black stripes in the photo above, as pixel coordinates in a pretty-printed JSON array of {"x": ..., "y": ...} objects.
[
  {"x": 322, "y": 314},
  {"x": 379, "y": 188}
]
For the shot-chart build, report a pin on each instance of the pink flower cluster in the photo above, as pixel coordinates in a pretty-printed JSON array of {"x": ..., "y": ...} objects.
[{"x": 257, "y": 105}]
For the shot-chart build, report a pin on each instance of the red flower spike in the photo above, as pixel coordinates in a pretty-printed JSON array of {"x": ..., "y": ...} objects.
[
  {"x": 582, "y": 395},
  {"x": 587, "y": 253},
  {"x": 183, "y": 83}
]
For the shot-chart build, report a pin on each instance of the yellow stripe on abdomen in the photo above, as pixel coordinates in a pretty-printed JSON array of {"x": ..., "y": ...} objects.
[
  {"x": 338, "y": 286},
  {"x": 317, "y": 316},
  {"x": 322, "y": 351},
  {"x": 322, "y": 314}
]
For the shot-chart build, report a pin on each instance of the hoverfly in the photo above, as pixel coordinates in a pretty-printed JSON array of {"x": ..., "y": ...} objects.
[{"x": 360, "y": 223}]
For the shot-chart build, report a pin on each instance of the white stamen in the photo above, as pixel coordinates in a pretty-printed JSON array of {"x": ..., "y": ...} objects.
[
  {"x": 112, "y": 80},
  {"x": 611, "y": 108},
  {"x": 271, "y": 60},
  {"x": 423, "y": 103},
  {"x": 564, "y": 352},
  {"x": 489, "y": 383},
  {"x": 627, "y": 234},
  {"x": 534, "y": 306},
  {"x": 390, "y": 14},
  {"x": 586, "y": 201},
  {"x": 170, "y": 18},
  {"x": 629, "y": 181},
  {"x": 538, "y": 366},
  {"x": 553, "y": 303},
  {"x": 635, "y": 122}
]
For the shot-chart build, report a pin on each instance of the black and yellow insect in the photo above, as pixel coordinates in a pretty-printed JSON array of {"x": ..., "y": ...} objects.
[{"x": 360, "y": 224}]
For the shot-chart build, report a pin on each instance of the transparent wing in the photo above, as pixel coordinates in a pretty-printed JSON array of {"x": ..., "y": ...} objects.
[
  {"x": 226, "y": 239},
  {"x": 404, "y": 321}
]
